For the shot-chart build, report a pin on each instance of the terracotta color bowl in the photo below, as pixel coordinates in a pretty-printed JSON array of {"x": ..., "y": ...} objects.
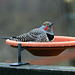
[{"x": 46, "y": 48}]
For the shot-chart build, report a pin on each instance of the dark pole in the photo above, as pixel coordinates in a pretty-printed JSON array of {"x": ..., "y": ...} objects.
[
  {"x": 19, "y": 53},
  {"x": 19, "y": 57}
]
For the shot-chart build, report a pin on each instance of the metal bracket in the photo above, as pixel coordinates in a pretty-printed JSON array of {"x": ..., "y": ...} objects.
[{"x": 19, "y": 57}]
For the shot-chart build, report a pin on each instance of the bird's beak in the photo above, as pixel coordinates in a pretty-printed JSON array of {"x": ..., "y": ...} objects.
[{"x": 51, "y": 24}]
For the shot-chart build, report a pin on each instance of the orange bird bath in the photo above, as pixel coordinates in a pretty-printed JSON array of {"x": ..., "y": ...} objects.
[{"x": 60, "y": 44}]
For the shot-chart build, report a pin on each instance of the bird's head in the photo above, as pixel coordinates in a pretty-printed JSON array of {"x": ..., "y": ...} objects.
[{"x": 47, "y": 24}]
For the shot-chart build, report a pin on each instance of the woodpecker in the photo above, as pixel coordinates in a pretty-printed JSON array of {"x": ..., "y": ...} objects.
[{"x": 41, "y": 34}]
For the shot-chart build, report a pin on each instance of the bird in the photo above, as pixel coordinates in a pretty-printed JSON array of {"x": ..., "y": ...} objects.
[{"x": 41, "y": 34}]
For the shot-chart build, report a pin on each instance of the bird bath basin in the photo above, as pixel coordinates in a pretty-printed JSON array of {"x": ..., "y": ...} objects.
[{"x": 60, "y": 44}]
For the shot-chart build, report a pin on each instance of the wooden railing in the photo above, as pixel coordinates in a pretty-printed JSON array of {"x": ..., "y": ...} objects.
[{"x": 6, "y": 69}]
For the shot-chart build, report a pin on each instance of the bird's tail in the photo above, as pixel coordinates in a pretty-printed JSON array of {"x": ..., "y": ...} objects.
[
  {"x": 11, "y": 38},
  {"x": 5, "y": 37}
]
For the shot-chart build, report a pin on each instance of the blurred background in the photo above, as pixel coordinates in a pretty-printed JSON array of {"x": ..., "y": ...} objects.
[{"x": 20, "y": 16}]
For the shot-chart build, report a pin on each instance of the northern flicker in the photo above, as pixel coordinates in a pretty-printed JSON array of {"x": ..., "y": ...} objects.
[{"x": 41, "y": 34}]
